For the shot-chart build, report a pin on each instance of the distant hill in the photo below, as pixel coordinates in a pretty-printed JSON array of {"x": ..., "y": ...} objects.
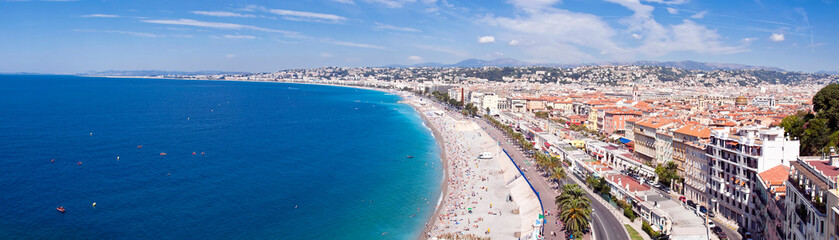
[
  {"x": 155, "y": 73},
  {"x": 828, "y": 72},
  {"x": 509, "y": 62}
]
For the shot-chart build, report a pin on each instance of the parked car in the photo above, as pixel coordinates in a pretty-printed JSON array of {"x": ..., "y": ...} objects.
[
  {"x": 710, "y": 214},
  {"x": 722, "y": 236},
  {"x": 711, "y": 224},
  {"x": 716, "y": 229}
]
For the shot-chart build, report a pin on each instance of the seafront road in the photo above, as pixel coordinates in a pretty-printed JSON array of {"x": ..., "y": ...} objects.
[{"x": 604, "y": 224}]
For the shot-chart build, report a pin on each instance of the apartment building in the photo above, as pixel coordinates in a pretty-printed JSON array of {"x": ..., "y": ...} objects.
[
  {"x": 689, "y": 154},
  {"x": 735, "y": 157},
  {"x": 769, "y": 202},
  {"x": 811, "y": 211},
  {"x": 645, "y": 139},
  {"x": 614, "y": 120}
]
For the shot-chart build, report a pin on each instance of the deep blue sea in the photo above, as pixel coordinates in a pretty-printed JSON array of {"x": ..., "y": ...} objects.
[{"x": 281, "y": 161}]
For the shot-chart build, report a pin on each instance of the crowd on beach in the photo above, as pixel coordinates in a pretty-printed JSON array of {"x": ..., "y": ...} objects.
[{"x": 470, "y": 198}]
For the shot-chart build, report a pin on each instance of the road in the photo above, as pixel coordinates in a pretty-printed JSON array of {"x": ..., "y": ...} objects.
[{"x": 604, "y": 225}]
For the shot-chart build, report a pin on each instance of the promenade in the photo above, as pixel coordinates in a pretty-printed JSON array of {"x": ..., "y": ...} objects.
[
  {"x": 604, "y": 223},
  {"x": 474, "y": 202}
]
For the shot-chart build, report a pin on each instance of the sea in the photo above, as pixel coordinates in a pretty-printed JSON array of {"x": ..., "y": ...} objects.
[{"x": 243, "y": 160}]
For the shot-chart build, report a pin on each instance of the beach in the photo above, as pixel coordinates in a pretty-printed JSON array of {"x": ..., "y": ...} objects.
[{"x": 475, "y": 199}]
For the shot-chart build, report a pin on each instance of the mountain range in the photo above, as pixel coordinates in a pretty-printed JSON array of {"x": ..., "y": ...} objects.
[{"x": 509, "y": 62}]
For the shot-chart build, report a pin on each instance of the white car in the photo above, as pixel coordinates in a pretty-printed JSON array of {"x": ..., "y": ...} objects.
[{"x": 711, "y": 224}]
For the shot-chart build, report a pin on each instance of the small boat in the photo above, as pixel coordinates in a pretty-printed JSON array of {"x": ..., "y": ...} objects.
[
  {"x": 139, "y": 146},
  {"x": 162, "y": 154},
  {"x": 193, "y": 153},
  {"x": 409, "y": 156},
  {"x": 60, "y": 209},
  {"x": 202, "y": 153}
]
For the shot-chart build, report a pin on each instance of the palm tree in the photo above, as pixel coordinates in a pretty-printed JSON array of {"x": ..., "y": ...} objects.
[
  {"x": 574, "y": 208},
  {"x": 559, "y": 174}
]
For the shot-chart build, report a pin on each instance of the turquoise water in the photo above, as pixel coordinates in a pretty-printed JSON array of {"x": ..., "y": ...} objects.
[{"x": 282, "y": 161}]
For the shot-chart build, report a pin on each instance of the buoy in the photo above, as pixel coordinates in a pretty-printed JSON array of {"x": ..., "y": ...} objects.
[
  {"x": 139, "y": 146},
  {"x": 117, "y": 158},
  {"x": 202, "y": 153},
  {"x": 94, "y": 204},
  {"x": 295, "y": 206},
  {"x": 91, "y": 134},
  {"x": 52, "y": 160}
]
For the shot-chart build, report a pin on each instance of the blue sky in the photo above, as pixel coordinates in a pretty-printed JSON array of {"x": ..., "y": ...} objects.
[{"x": 256, "y": 36}]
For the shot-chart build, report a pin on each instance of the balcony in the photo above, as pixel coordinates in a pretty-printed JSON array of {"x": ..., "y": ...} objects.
[{"x": 815, "y": 202}]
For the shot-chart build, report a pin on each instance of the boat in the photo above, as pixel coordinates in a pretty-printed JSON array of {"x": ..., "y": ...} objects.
[
  {"x": 162, "y": 154},
  {"x": 193, "y": 153},
  {"x": 409, "y": 156},
  {"x": 60, "y": 209},
  {"x": 139, "y": 146}
]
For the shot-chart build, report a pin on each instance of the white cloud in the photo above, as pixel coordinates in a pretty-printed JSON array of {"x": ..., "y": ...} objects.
[
  {"x": 669, "y": 2},
  {"x": 400, "y": 3},
  {"x": 352, "y": 44},
  {"x": 673, "y": 10},
  {"x": 325, "y": 55},
  {"x": 239, "y": 36},
  {"x": 556, "y": 34},
  {"x": 221, "y": 25},
  {"x": 100, "y": 16},
  {"x": 699, "y": 15},
  {"x": 514, "y": 42},
  {"x": 415, "y": 59},
  {"x": 486, "y": 39},
  {"x": 777, "y": 37},
  {"x": 344, "y": 1},
  {"x": 748, "y": 40},
  {"x": 135, "y": 34},
  {"x": 223, "y": 14},
  {"x": 308, "y": 16},
  {"x": 380, "y": 26}
]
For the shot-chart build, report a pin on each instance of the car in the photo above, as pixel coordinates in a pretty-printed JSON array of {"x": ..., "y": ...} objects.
[
  {"x": 722, "y": 236},
  {"x": 711, "y": 224},
  {"x": 710, "y": 214},
  {"x": 716, "y": 229}
]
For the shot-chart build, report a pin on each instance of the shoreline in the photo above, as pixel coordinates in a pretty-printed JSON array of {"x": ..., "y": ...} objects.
[{"x": 444, "y": 189}]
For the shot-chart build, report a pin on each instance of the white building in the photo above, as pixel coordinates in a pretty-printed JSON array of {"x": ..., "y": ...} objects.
[{"x": 736, "y": 157}]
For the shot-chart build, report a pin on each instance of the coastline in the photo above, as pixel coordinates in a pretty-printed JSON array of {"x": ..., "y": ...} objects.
[{"x": 444, "y": 189}]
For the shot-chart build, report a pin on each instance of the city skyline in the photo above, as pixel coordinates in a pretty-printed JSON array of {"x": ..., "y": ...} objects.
[{"x": 259, "y": 36}]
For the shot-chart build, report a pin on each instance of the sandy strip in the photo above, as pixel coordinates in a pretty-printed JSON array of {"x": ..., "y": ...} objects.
[{"x": 474, "y": 193}]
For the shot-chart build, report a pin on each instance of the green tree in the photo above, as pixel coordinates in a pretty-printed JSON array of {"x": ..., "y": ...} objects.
[
  {"x": 559, "y": 174},
  {"x": 793, "y": 125},
  {"x": 574, "y": 208},
  {"x": 667, "y": 172},
  {"x": 826, "y": 104},
  {"x": 816, "y": 136}
]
